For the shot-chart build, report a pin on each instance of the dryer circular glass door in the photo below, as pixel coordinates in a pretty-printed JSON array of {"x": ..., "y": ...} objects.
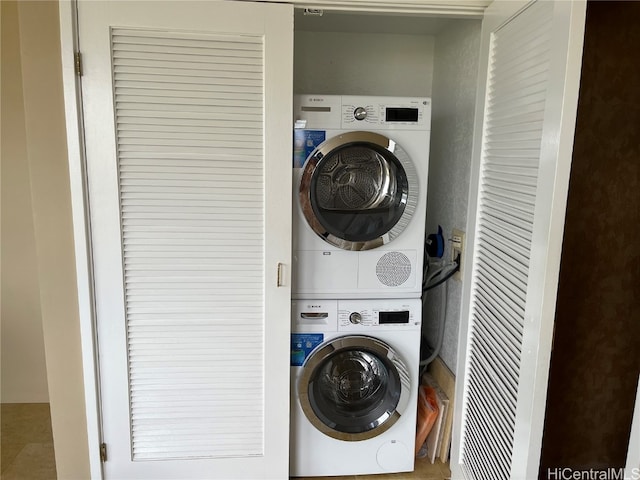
[
  {"x": 354, "y": 387},
  {"x": 358, "y": 190}
]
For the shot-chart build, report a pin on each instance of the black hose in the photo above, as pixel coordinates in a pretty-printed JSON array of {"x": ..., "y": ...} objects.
[{"x": 445, "y": 278}]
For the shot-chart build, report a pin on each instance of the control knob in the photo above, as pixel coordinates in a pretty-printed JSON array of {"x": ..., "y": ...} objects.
[
  {"x": 355, "y": 318},
  {"x": 360, "y": 113}
]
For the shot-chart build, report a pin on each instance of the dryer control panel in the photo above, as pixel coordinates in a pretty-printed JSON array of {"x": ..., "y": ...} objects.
[
  {"x": 385, "y": 112},
  {"x": 355, "y": 112}
]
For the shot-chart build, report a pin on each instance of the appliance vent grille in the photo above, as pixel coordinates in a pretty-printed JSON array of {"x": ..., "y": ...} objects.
[
  {"x": 520, "y": 53},
  {"x": 190, "y": 157},
  {"x": 393, "y": 269}
]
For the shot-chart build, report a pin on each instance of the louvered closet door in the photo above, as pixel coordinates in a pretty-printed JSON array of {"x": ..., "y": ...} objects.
[
  {"x": 521, "y": 171},
  {"x": 187, "y": 109}
]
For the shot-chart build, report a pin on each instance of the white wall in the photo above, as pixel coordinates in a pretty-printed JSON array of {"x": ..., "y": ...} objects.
[
  {"x": 363, "y": 64},
  {"x": 46, "y": 151},
  {"x": 24, "y": 374},
  {"x": 454, "y": 95}
]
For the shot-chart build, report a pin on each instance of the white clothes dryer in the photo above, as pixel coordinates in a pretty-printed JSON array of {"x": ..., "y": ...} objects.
[
  {"x": 354, "y": 374},
  {"x": 360, "y": 193}
]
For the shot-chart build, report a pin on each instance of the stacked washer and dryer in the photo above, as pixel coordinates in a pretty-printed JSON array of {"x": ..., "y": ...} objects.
[{"x": 360, "y": 178}]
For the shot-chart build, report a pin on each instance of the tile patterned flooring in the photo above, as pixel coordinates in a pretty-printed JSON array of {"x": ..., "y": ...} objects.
[
  {"x": 27, "y": 449},
  {"x": 27, "y": 442}
]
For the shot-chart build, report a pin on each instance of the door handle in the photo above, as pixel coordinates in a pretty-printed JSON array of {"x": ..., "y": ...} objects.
[
  {"x": 314, "y": 315},
  {"x": 280, "y": 275}
]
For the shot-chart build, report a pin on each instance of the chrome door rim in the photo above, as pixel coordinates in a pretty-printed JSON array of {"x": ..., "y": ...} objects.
[
  {"x": 362, "y": 343},
  {"x": 410, "y": 200}
]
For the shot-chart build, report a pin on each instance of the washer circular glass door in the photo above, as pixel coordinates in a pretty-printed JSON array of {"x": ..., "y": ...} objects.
[
  {"x": 354, "y": 387},
  {"x": 358, "y": 190}
]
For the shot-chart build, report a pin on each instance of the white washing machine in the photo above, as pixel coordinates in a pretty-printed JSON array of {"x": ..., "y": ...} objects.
[
  {"x": 360, "y": 193},
  {"x": 354, "y": 374}
]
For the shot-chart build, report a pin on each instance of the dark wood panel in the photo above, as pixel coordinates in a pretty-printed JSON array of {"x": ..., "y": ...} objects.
[{"x": 596, "y": 359}]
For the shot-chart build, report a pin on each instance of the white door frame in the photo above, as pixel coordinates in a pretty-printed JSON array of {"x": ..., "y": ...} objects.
[
  {"x": 457, "y": 8},
  {"x": 81, "y": 230}
]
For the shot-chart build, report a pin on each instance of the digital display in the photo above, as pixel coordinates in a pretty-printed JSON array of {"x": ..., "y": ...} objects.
[
  {"x": 393, "y": 317},
  {"x": 401, "y": 114}
]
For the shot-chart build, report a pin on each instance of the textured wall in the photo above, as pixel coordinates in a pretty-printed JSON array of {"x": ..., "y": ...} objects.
[
  {"x": 454, "y": 100},
  {"x": 596, "y": 359},
  {"x": 24, "y": 373},
  {"x": 363, "y": 64}
]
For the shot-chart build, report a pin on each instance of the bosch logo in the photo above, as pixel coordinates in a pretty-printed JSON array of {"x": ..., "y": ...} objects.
[{"x": 314, "y": 306}]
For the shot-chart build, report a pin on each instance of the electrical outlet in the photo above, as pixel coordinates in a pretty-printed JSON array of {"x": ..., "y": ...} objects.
[{"x": 457, "y": 248}]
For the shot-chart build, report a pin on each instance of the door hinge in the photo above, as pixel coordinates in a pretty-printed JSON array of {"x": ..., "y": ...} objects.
[
  {"x": 77, "y": 57},
  {"x": 103, "y": 452}
]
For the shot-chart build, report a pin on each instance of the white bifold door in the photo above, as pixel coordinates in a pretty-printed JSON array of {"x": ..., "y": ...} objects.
[
  {"x": 531, "y": 56},
  {"x": 187, "y": 122}
]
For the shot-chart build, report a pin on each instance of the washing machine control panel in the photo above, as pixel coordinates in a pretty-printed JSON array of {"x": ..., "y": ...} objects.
[
  {"x": 377, "y": 314},
  {"x": 374, "y": 317},
  {"x": 355, "y": 315}
]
